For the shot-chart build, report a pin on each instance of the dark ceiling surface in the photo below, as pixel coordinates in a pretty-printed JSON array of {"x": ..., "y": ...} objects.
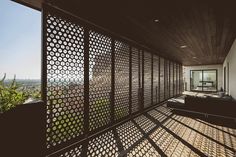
[{"x": 192, "y": 32}]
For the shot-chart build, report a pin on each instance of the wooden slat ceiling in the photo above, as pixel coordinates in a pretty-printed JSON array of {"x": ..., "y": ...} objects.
[{"x": 206, "y": 29}]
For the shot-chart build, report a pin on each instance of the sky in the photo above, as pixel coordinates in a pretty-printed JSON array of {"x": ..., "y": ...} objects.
[{"x": 20, "y": 41}]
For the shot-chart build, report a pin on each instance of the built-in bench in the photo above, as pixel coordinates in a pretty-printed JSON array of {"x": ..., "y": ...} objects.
[{"x": 208, "y": 105}]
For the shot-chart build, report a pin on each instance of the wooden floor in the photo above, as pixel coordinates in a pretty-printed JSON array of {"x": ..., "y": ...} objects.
[{"x": 160, "y": 132}]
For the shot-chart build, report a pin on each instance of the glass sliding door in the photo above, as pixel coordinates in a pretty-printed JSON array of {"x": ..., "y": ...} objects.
[
  {"x": 203, "y": 80},
  {"x": 209, "y": 80},
  {"x": 196, "y": 80}
]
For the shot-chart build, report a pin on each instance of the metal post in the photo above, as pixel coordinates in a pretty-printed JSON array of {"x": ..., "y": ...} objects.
[
  {"x": 112, "y": 96},
  {"x": 169, "y": 80},
  {"x": 164, "y": 79},
  {"x": 159, "y": 60},
  {"x": 142, "y": 96},
  {"x": 86, "y": 81},
  {"x": 130, "y": 80},
  {"x": 44, "y": 78},
  {"x": 139, "y": 81},
  {"x": 152, "y": 80}
]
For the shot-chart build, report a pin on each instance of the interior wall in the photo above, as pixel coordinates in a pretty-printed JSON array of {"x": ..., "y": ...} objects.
[
  {"x": 186, "y": 73},
  {"x": 230, "y": 64}
]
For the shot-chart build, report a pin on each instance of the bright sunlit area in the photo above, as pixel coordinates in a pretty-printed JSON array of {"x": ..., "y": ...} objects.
[{"x": 20, "y": 54}]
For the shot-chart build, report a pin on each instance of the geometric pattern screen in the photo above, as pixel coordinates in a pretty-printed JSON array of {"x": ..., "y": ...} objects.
[
  {"x": 135, "y": 80},
  {"x": 167, "y": 80},
  {"x": 147, "y": 94},
  {"x": 171, "y": 80},
  {"x": 89, "y": 76},
  {"x": 99, "y": 80},
  {"x": 121, "y": 104},
  {"x": 162, "y": 79},
  {"x": 155, "y": 87},
  {"x": 65, "y": 80}
]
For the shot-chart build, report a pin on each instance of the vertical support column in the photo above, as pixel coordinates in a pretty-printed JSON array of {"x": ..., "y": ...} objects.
[
  {"x": 173, "y": 79},
  {"x": 159, "y": 74},
  {"x": 130, "y": 80},
  {"x": 139, "y": 81},
  {"x": 86, "y": 90},
  {"x": 86, "y": 81},
  {"x": 44, "y": 80},
  {"x": 169, "y": 80},
  {"x": 164, "y": 79},
  {"x": 182, "y": 78},
  {"x": 180, "y": 74},
  {"x": 217, "y": 80},
  {"x": 142, "y": 99},
  {"x": 227, "y": 77},
  {"x": 112, "y": 96},
  {"x": 44, "y": 57},
  {"x": 176, "y": 89},
  {"x": 152, "y": 80},
  {"x": 179, "y": 79},
  {"x": 202, "y": 80}
]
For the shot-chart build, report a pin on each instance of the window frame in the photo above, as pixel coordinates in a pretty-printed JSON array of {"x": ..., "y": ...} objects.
[{"x": 202, "y": 71}]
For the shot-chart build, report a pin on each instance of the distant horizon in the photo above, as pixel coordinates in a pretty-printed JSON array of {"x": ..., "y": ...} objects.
[
  {"x": 21, "y": 79},
  {"x": 20, "y": 41}
]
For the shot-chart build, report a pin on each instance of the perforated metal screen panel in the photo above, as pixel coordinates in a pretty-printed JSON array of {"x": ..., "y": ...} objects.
[
  {"x": 147, "y": 79},
  {"x": 75, "y": 152},
  {"x": 162, "y": 85},
  {"x": 167, "y": 79},
  {"x": 174, "y": 78},
  {"x": 88, "y": 78},
  {"x": 181, "y": 80},
  {"x": 171, "y": 80},
  {"x": 121, "y": 104},
  {"x": 141, "y": 77},
  {"x": 155, "y": 79},
  {"x": 99, "y": 80},
  {"x": 135, "y": 80},
  {"x": 177, "y": 79},
  {"x": 65, "y": 80}
]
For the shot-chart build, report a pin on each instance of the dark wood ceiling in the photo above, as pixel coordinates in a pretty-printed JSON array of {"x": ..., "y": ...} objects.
[{"x": 206, "y": 28}]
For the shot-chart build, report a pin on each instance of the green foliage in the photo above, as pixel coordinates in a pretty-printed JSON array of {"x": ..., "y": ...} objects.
[
  {"x": 36, "y": 94},
  {"x": 10, "y": 96},
  {"x": 13, "y": 93}
]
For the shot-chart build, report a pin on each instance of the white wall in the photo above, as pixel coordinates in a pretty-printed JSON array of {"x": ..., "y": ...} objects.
[
  {"x": 231, "y": 69},
  {"x": 187, "y": 69}
]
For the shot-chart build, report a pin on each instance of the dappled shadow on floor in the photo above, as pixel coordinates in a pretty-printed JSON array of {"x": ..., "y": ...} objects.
[{"x": 159, "y": 132}]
